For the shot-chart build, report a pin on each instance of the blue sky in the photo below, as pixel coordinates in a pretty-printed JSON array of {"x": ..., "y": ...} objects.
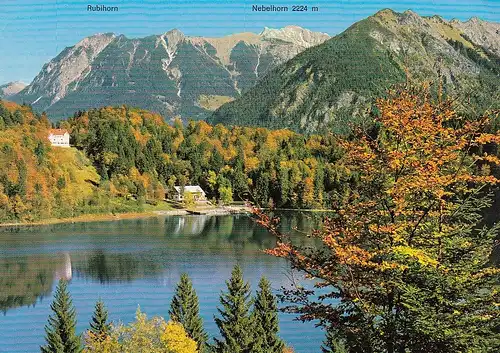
[{"x": 34, "y": 31}]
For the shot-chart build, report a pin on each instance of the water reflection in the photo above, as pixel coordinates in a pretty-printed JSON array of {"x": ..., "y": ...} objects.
[
  {"x": 24, "y": 279},
  {"x": 111, "y": 252},
  {"x": 136, "y": 262},
  {"x": 108, "y": 267}
]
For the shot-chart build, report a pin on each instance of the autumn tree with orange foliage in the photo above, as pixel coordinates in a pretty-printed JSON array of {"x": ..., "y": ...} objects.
[{"x": 404, "y": 263}]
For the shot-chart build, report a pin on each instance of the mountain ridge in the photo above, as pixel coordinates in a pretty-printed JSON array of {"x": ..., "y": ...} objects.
[
  {"x": 333, "y": 84},
  {"x": 11, "y": 88},
  {"x": 167, "y": 73}
]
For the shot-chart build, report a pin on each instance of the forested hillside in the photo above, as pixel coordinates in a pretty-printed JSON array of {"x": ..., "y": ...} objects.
[
  {"x": 335, "y": 84},
  {"x": 36, "y": 180},
  {"x": 140, "y": 154},
  {"x": 123, "y": 158}
]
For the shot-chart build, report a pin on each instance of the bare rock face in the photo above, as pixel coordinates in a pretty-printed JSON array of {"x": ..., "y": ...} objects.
[
  {"x": 425, "y": 41},
  {"x": 70, "y": 66},
  {"x": 296, "y": 35},
  {"x": 410, "y": 18},
  {"x": 285, "y": 43},
  {"x": 485, "y": 34},
  {"x": 171, "y": 39},
  {"x": 11, "y": 88},
  {"x": 166, "y": 73}
]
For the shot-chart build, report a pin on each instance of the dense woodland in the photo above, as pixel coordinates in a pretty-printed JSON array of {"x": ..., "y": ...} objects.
[
  {"x": 127, "y": 157},
  {"x": 404, "y": 258},
  {"x": 138, "y": 153},
  {"x": 36, "y": 180}
]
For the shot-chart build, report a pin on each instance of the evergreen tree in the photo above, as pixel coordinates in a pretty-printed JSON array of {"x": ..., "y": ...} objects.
[
  {"x": 331, "y": 344},
  {"x": 18, "y": 117},
  {"x": 265, "y": 319},
  {"x": 61, "y": 336},
  {"x": 4, "y": 113},
  {"x": 262, "y": 187},
  {"x": 235, "y": 324},
  {"x": 99, "y": 324},
  {"x": 185, "y": 309}
]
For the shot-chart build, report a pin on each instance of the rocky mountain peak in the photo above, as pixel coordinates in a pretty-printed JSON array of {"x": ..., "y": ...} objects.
[
  {"x": 94, "y": 44},
  {"x": 170, "y": 40},
  {"x": 295, "y": 34},
  {"x": 333, "y": 84},
  {"x": 70, "y": 65},
  {"x": 174, "y": 35},
  {"x": 95, "y": 40},
  {"x": 410, "y": 17},
  {"x": 170, "y": 73},
  {"x": 385, "y": 14},
  {"x": 11, "y": 88},
  {"x": 474, "y": 20},
  {"x": 486, "y": 34},
  {"x": 437, "y": 19}
]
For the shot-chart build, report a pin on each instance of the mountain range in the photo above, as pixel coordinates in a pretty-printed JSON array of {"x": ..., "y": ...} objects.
[
  {"x": 172, "y": 74},
  {"x": 289, "y": 77},
  {"x": 334, "y": 84}
]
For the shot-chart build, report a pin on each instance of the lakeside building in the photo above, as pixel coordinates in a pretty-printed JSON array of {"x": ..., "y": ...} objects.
[{"x": 196, "y": 190}]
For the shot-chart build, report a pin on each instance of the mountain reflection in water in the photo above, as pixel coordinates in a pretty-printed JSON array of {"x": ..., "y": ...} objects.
[{"x": 33, "y": 259}]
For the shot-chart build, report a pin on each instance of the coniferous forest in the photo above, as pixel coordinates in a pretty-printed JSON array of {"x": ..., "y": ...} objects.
[
  {"x": 333, "y": 189},
  {"x": 247, "y": 323}
]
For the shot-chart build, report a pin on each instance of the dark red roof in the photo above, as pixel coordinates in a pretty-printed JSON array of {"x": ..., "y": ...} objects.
[{"x": 58, "y": 131}]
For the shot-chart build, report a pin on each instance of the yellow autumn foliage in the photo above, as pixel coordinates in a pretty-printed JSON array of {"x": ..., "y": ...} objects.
[
  {"x": 37, "y": 180},
  {"x": 142, "y": 336},
  {"x": 176, "y": 339}
]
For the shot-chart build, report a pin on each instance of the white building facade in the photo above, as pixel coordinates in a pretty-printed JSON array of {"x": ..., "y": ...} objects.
[
  {"x": 59, "y": 137},
  {"x": 196, "y": 190}
]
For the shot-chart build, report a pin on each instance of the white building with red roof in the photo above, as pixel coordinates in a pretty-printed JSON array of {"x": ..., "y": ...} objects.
[{"x": 59, "y": 137}]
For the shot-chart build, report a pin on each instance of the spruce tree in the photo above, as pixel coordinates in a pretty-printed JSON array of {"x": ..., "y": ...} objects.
[
  {"x": 265, "y": 320},
  {"x": 235, "y": 324},
  {"x": 60, "y": 330},
  {"x": 185, "y": 309},
  {"x": 99, "y": 324},
  {"x": 331, "y": 344}
]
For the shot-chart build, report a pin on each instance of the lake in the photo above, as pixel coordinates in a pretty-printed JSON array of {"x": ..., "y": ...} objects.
[{"x": 136, "y": 262}]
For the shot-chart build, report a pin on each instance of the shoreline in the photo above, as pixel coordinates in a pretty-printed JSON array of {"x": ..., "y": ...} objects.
[
  {"x": 81, "y": 219},
  {"x": 109, "y": 217}
]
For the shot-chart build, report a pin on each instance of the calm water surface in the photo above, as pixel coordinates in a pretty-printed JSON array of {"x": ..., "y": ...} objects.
[{"x": 135, "y": 262}]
